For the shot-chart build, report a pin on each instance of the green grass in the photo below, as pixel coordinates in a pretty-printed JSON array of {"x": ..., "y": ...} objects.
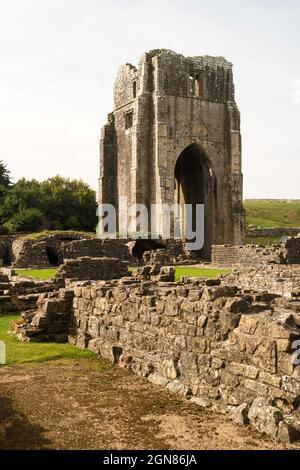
[
  {"x": 263, "y": 241},
  {"x": 199, "y": 272},
  {"x": 42, "y": 274},
  {"x": 46, "y": 233},
  {"x": 272, "y": 213},
  {"x": 191, "y": 271},
  {"x": 18, "y": 352}
]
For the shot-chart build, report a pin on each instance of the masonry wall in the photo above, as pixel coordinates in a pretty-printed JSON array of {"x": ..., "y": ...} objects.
[
  {"x": 224, "y": 350},
  {"x": 275, "y": 279},
  {"x": 212, "y": 343},
  {"x": 255, "y": 255}
]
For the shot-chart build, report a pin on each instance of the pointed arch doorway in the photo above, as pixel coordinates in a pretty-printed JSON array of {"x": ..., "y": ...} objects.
[{"x": 195, "y": 184}]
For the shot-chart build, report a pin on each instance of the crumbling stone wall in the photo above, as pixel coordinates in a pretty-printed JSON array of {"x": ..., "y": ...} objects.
[
  {"x": 273, "y": 232},
  {"x": 255, "y": 255},
  {"x": 79, "y": 248},
  {"x": 92, "y": 268},
  {"x": 30, "y": 254},
  {"x": 277, "y": 279},
  {"x": 222, "y": 349},
  {"x": 6, "y": 254},
  {"x": 20, "y": 294}
]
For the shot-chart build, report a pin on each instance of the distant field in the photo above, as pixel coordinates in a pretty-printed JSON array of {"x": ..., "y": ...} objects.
[{"x": 272, "y": 213}]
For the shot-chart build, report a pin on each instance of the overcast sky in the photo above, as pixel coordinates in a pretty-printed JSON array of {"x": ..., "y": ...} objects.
[{"x": 58, "y": 61}]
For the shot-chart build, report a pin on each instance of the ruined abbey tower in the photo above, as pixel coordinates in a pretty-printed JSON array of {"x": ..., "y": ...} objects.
[{"x": 174, "y": 137}]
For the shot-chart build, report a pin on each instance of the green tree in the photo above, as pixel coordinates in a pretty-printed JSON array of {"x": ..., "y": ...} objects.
[
  {"x": 5, "y": 180},
  {"x": 65, "y": 204},
  {"x": 71, "y": 203},
  {"x": 27, "y": 220},
  {"x": 24, "y": 194}
]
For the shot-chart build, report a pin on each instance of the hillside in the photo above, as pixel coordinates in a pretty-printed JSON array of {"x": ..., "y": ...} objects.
[{"x": 269, "y": 213}]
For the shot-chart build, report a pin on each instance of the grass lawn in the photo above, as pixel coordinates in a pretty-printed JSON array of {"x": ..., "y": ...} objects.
[
  {"x": 198, "y": 272},
  {"x": 264, "y": 241},
  {"x": 18, "y": 352},
  {"x": 42, "y": 274},
  {"x": 180, "y": 271},
  {"x": 47, "y": 233},
  {"x": 272, "y": 213},
  {"x": 194, "y": 272}
]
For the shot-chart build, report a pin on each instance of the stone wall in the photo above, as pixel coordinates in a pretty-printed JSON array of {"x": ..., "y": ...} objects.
[
  {"x": 273, "y": 232},
  {"x": 29, "y": 254},
  {"x": 79, "y": 248},
  {"x": 6, "y": 254},
  {"x": 223, "y": 349},
  {"x": 92, "y": 268},
  {"x": 255, "y": 255},
  {"x": 250, "y": 255},
  {"x": 277, "y": 279},
  {"x": 18, "y": 294}
]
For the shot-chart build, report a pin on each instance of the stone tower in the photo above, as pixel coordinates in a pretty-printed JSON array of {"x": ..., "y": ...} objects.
[{"x": 174, "y": 136}]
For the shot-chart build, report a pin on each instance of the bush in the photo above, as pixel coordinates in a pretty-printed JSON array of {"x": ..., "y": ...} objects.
[
  {"x": 72, "y": 223},
  {"x": 10, "y": 227},
  {"x": 27, "y": 220},
  {"x": 4, "y": 230},
  {"x": 65, "y": 205}
]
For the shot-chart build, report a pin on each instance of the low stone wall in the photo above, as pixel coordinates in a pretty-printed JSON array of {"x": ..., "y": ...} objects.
[
  {"x": 6, "y": 254},
  {"x": 250, "y": 255},
  {"x": 254, "y": 255},
  {"x": 222, "y": 349},
  {"x": 276, "y": 279},
  {"x": 29, "y": 254},
  {"x": 19, "y": 294},
  {"x": 14, "y": 304},
  {"x": 92, "y": 268},
  {"x": 79, "y": 248},
  {"x": 273, "y": 232}
]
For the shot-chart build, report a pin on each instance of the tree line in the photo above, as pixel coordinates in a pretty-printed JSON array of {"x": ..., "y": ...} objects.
[{"x": 54, "y": 204}]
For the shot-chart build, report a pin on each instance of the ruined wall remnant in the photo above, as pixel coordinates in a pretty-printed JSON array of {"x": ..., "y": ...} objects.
[
  {"x": 18, "y": 294},
  {"x": 221, "y": 348},
  {"x": 174, "y": 137},
  {"x": 278, "y": 279},
  {"x": 30, "y": 254},
  {"x": 92, "y": 268},
  {"x": 287, "y": 252}
]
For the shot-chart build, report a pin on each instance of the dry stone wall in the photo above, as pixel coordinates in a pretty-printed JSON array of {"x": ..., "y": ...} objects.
[
  {"x": 273, "y": 232},
  {"x": 277, "y": 279},
  {"x": 223, "y": 349},
  {"x": 255, "y": 255},
  {"x": 92, "y": 268}
]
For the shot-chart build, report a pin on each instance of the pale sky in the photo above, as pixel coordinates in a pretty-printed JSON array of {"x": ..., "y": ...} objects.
[{"x": 59, "y": 58}]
